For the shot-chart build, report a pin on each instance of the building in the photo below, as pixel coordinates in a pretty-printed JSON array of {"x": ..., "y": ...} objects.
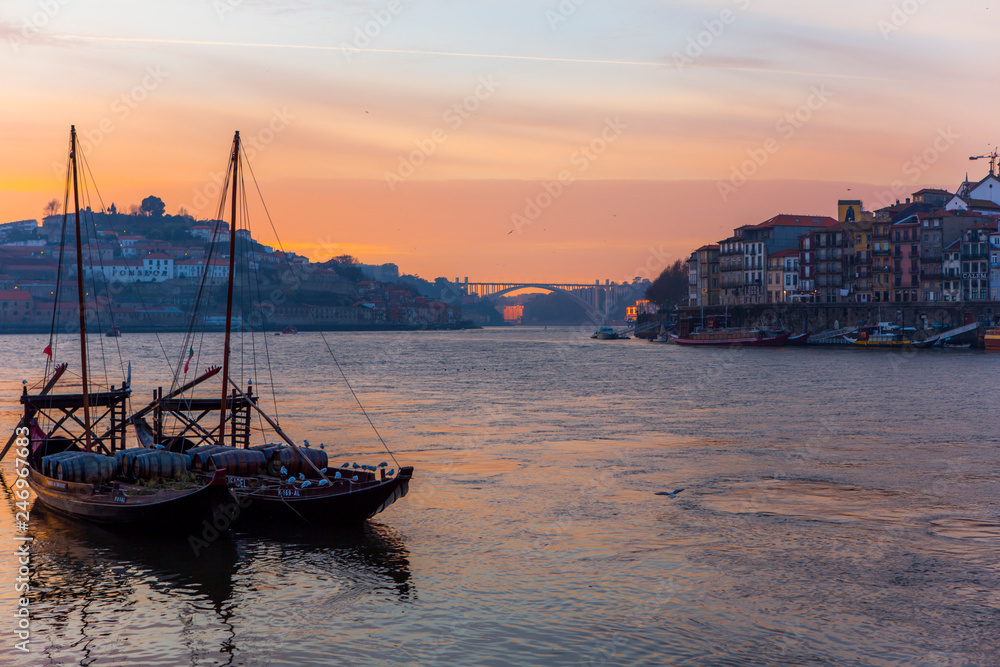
[
  {"x": 707, "y": 266},
  {"x": 976, "y": 263},
  {"x": 731, "y": 269},
  {"x": 906, "y": 260},
  {"x": 951, "y": 272},
  {"x": 781, "y": 232},
  {"x": 782, "y": 276}
]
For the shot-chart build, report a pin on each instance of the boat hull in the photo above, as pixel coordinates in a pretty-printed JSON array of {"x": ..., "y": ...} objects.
[
  {"x": 747, "y": 341},
  {"x": 169, "y": 509},
  {"x": 340, "y": 504}
]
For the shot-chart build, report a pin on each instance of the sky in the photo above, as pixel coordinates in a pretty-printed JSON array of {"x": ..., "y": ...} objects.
[{"x": 542, "y": 141}]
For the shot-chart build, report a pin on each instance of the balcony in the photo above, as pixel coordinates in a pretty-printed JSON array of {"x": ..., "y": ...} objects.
[{"x": 931, "y": 272}]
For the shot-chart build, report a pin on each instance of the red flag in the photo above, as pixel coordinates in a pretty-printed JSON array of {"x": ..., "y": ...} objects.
[
  {"x": 190, "y": 354},
  {"x": 48, "y": 351}
]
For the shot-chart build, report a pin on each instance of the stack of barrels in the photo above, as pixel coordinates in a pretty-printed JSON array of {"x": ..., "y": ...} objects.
[
  {"x": 82, "y": 467},
  {"x": 141, "y": 463}
]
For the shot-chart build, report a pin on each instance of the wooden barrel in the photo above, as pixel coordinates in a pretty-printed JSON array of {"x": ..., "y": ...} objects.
[
  {"x": 49, "y": 462},
  {"x": 267, "y": 450},
  {"x": 160, "y": 463},
  {"x": 199, "y": 455},
  {"x": 289, "y": 459},
  {"x": 88, "y": 469},
  {"x": 126, "y": 458},
  {"x": 239, "y": 462}
]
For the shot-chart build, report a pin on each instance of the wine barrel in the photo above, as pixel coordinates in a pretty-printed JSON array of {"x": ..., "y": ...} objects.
[
  {"x": 267, "y": 450},
  {"x": 240, "y": 462},
  {"x": 199, "y": 455},
  {"x": 160, "y": 463},
  {"x": 49, "y": 462},
  {"x": 292, "y": 462},
  {"x": 126, "y": 458},
  {"x": 88, "y": 469}
]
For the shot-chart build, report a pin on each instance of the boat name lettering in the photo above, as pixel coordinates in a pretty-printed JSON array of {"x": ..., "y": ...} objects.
[{"x": 288, "y": 492}]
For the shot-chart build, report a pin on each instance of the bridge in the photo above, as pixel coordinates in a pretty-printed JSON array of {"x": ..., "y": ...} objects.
[{"x": 598, "y": 300}]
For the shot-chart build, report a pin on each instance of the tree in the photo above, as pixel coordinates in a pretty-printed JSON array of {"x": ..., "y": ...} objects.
[
  {"x": 670, "y": 287},
  {"x": 153, "y": 207},
  {"x": 52, "y": 208}
]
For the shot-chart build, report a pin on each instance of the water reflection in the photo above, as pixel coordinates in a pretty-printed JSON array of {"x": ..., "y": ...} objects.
[{"x": 103, "y": 596}]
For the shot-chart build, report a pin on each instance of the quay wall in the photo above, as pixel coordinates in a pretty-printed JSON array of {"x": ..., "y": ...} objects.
[{"x": 815, "y": 317}]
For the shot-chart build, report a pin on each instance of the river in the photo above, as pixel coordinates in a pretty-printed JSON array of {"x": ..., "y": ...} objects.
[{"x": 839, "y": 507}]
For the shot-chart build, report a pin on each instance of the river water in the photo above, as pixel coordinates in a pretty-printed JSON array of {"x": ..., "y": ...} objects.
[{"x": 839, "y": 507}]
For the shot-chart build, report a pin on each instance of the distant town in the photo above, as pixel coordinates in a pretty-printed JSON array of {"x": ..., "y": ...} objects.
[
  {"x": 143, "y": 269},
  {"x": 934, "y": 247}
]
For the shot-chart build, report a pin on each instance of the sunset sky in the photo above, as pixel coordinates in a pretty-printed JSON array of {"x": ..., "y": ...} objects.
[{"x": 434, "y": 133}]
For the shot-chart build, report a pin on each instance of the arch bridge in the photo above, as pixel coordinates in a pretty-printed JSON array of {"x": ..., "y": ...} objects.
[{"x": 596, "y": 299}]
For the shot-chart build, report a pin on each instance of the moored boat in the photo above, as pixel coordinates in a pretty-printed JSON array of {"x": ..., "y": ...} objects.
[
  {"x": 72, "y": 443},
  {"x": 745, "y": 337},
  {"x": 991, "y": 339},
  {"x": 608, "y": 333},
  {"x": 282, "y": 482},
  {"x": 883, "y": 334}
]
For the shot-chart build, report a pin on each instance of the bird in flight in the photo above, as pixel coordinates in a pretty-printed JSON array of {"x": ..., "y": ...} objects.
[{"x": 672, "y": 494}]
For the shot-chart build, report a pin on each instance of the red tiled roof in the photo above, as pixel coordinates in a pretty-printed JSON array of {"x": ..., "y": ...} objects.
[
  {"x": 790, "y": 252},
  {"x": 788, "y": 220}
]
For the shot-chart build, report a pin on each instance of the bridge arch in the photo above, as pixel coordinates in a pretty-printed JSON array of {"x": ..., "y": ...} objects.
[{"x": 593, "y": 313}]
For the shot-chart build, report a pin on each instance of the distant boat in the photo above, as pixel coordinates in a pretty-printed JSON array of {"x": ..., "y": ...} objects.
[
  {"x": 798, "y": 339},
  {"x": 991, "y": 339},
  {"x": 114, "y": 332},
  {"x": 608, "y": 333},
  {"x": 750, "y": 337},
  {"x": 289, "y": 330},
  {"x": 883, "y": 334}
]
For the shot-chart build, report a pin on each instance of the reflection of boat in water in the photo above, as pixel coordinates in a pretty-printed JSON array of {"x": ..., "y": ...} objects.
[
  {"x": 94, "y": 589},
  {"x": 883, "y": 334},
  {"x": 747, "y": 337},
  {"x": 608, "y": 333}
]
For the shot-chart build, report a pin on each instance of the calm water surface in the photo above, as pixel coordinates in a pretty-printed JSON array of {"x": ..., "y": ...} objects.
[{"x": 840, "y": 507}]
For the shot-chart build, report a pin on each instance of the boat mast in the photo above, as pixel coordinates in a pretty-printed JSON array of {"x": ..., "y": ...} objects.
[
  {"x": 229, "y": 293},
  {"x": 79, "y": 291}
]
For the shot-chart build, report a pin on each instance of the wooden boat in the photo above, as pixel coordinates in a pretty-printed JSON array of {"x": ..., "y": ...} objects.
[
  {"x": 71, "y": 463},
  {"x": 748, "y": 337},
  {"x": 114, "y": 332},
  {"x": 272, "y": 482}
]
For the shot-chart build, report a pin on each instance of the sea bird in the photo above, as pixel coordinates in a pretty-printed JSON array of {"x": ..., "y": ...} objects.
[{"x": 672, "y": 494}]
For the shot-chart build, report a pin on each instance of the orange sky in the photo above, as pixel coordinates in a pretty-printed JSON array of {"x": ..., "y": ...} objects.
[{"x": 410, "y": 146}]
